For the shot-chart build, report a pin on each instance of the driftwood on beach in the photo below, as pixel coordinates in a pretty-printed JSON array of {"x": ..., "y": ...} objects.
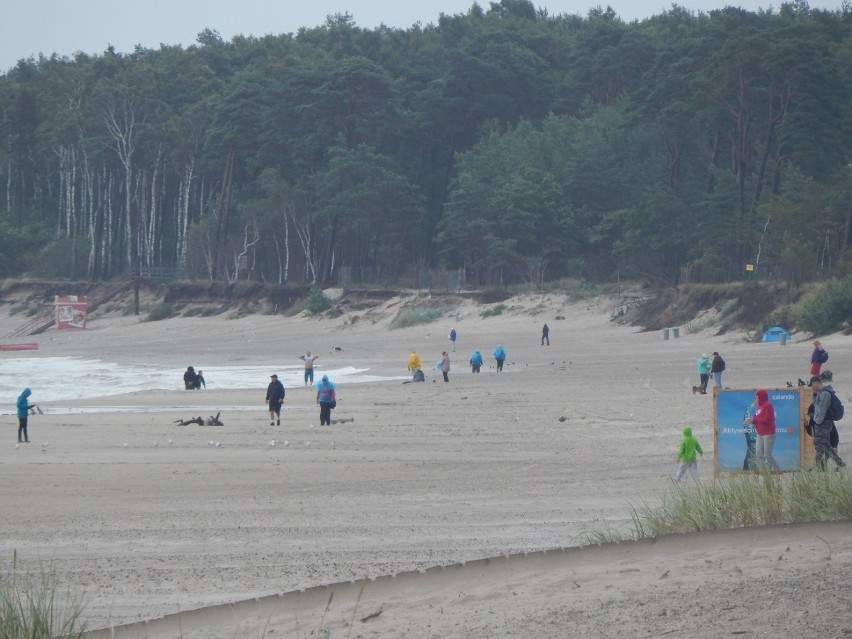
[
  {"x": 186, "y": 422},
  {"x": 210, "y": 421}
]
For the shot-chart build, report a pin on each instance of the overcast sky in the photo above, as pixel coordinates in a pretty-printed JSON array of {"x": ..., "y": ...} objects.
[{"x": 30, "y": 27}]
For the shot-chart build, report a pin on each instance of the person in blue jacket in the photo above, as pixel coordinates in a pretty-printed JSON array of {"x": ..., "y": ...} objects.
[
  {"x": 500, "y": 355},
  {"x": 23, "y": 412},
  {"x": 475, "y": 361},
  {"x": 327, "y": 399}
]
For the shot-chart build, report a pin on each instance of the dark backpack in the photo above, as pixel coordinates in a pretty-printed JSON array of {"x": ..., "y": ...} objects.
[
  {"x": 823, "y": 357},
  {"x": 721, "y": 364},
  {"x": 835, "y": 410}
]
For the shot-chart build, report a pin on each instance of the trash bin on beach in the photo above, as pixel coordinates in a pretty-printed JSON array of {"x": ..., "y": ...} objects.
[
  {"x": 676, "y": 332},
  {"x": 665, "y": 333}
]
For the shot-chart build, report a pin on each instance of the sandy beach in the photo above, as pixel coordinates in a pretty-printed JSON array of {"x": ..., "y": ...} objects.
[{"x": 443, "y": 510}]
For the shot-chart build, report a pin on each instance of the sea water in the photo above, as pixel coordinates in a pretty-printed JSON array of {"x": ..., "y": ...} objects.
[{"x": 55, "y": 379}]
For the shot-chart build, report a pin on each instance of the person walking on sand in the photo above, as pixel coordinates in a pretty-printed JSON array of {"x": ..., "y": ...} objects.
[
  {"x": 445, "y": 366},
  {"x": 704, "y": 366},
  {"x": 764, "y": 424},
  {"x": 327, "y": 400},
  {"x": 717, "y": 367},
  {"x": 545, "y": 335},
  {"x": 309, "y": 367},
  {"x": 475, "y": 361},
  {"x": 819, "y": 356},
  {"x": 23, "y": 414},
  {"x": 500, "y": 356},
  {"x": 823, "y": 423},
  {"x": 686, "y": 455},
  {"x": 453, "y": 336},
  {"x": 275, "y": 398}
]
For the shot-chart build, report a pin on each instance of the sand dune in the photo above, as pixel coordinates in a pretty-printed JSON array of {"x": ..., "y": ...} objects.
[{"x": 144, "y": 519}]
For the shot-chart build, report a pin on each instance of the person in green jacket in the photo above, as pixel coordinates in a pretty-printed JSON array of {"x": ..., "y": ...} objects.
[{"x": 686, "y": 457}]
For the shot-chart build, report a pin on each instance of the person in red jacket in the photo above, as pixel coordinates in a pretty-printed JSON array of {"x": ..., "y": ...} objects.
[{"x": 764, "y": 425}]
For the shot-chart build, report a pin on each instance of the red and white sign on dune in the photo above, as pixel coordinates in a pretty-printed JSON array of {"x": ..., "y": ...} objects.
[{"x": 71, "y": 311}]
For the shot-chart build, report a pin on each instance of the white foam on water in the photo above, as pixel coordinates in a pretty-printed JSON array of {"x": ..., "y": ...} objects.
[{"x": 55, "y": 379}]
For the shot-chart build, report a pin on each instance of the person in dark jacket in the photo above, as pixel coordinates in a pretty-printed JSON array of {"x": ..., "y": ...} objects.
[
  {"x": 275, "y": 398},
  {"x": 823, "y": 424},
  {"x": 23, "y": 413},
  {"x": 327, "y": 400},
  {"x": 717, "y": 367},
  {"x": 190, "y": 378},
  {"x": 199, "y": 380},
  {"x": 545, "y": 335},
  {"x": 817, "y": 357}
]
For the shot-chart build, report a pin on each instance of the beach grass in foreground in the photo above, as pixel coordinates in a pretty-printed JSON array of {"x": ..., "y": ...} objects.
[
  {"x": 33, "y": 609},
  {"x": 747, "y": 500}
]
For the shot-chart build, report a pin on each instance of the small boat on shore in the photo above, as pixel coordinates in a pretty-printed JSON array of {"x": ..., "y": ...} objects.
[{"x": 29, "y": 346}]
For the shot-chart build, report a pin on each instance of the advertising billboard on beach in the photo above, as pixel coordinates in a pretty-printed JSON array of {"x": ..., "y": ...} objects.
[
  {"x": 735, "y": 438},
  {"x": 71, "y": 311}
]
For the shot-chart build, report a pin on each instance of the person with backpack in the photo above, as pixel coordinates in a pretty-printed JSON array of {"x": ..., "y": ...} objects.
[
  {"x": 499, "y": 354},
  {"x": 819, "y": 356},
  {"x": 475, "y": 361},
  {"x": 827, "y": 409},
  {"x": 717, "y": 367}
]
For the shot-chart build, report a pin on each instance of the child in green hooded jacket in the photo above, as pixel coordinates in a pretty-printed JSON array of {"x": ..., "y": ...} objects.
[{"x": 686, "y": 455}]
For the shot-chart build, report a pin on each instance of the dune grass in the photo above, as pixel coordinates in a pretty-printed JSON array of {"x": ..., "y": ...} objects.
[
  {"x": 31, "y": 609},
  {"x": 747, "y": 500},
  {"x": 415, "y": 315}
]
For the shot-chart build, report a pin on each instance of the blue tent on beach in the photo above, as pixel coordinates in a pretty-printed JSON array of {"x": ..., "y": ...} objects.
[{"x": 775, "y": 334}]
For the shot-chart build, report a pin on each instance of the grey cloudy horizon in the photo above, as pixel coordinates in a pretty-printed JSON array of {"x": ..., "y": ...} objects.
[{"x": 63, "y": 27}]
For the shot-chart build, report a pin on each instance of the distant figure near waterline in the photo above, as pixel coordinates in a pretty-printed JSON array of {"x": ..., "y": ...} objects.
[
  {"x": 23, "y": 414},
  {"x": 190, "y": 378},
  {"x": 309, "y": 367},
  {"x": 199, "y": 380}
]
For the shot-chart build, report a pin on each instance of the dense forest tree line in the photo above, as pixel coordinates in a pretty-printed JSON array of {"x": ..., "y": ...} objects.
[{"x": 505, "y": 144}]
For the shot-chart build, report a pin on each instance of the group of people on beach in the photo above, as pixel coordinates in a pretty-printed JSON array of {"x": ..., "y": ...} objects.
[
  {"x": 326, "y": 397},
  {"x": 193, "y": 380},
  {"x": 415, "y": 364},
  {"x": 823, "y": 413}
]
